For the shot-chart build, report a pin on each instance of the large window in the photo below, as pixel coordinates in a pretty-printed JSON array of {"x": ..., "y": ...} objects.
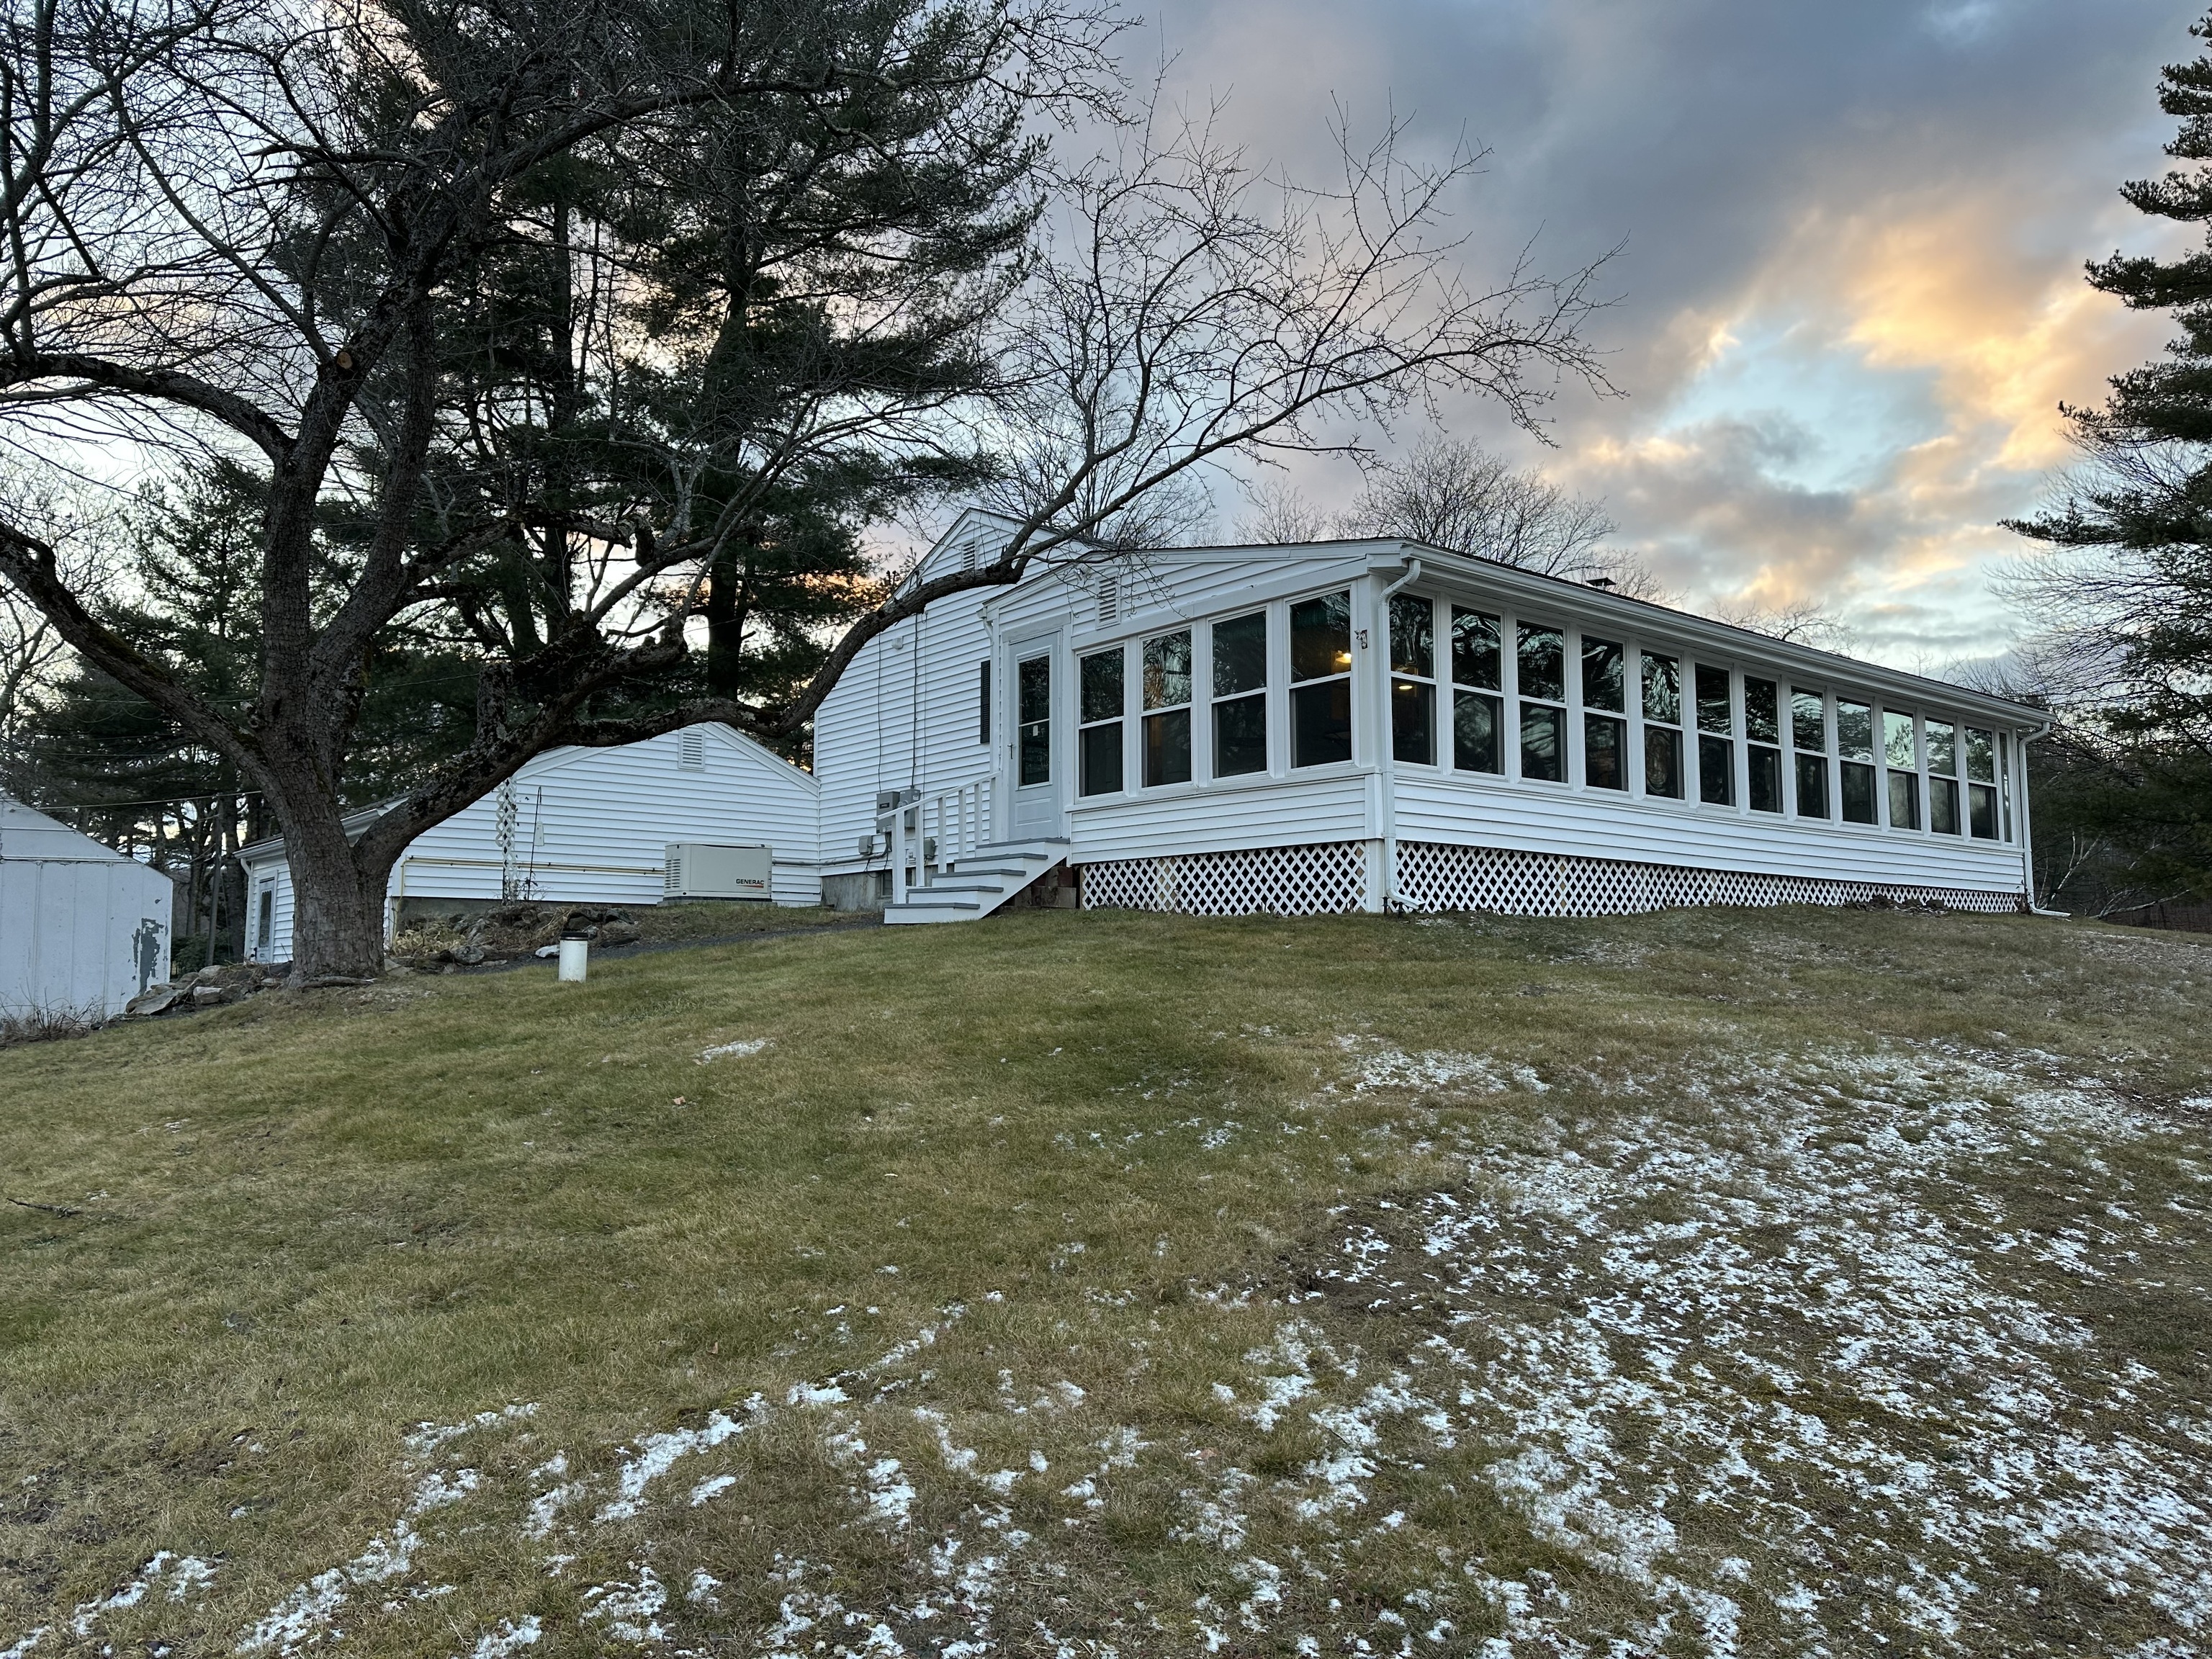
[
  {"x": 1321, "y": 675},
  {"x": 1716, "y": 738},
  {"x": 1943, "y": 777},
  {"x": 1809, "y": 737},
  {"x": 1167, "y": 708},
  {"x": 1762, "y": 744},
  {"x": 1413, "y": 678},
  {"x": 1855, "y": 767},
  {"x": 1475, "y": 650},
  {"x": 1662, "y": 727},
  {"x": 1900, "y": 756},
  {"x": 1540, "y": 656},
  {"x": 1098, "y": 740},
  {"x": 1982, "y": 784},
  {"x": 1240, "y": 696},
  {"x": 1605, "y": 699},
  {"x": 1033, "y": 716}
]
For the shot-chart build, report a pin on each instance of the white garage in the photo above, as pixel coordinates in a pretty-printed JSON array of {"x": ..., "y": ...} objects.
[{"x": 83, "y": 929}]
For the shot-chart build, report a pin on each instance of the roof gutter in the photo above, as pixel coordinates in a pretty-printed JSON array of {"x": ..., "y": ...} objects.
[{"x": 1412, "y": 574}]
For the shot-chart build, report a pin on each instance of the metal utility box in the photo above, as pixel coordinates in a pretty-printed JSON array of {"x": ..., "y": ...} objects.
[{"x": 700, "y": 870}]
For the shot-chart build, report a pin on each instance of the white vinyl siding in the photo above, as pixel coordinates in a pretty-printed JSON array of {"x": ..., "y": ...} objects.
[{"x": 594, "y": 826}]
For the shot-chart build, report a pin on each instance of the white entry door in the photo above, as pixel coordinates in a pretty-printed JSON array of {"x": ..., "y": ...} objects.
[{"x": 1034, "y": 756}]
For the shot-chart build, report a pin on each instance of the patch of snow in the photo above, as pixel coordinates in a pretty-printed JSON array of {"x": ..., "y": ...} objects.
[
  {"x": 510, "y": 1638},
  {"x": 627, "y": 1611},
  {"x": 655, "y": 1456},
  {"x": 738, "y": 1050},
  {"x": 186, "y": 1573}
]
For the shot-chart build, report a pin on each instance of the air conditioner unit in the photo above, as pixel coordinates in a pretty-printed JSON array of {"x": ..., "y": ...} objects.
[{"x": 700, "y": 870}]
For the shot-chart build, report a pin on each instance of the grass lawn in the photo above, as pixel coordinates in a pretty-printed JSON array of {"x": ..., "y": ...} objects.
[{"x": 1068, "y": 1285}]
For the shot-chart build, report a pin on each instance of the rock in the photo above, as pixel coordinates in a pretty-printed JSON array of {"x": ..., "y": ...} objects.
[
  {"x": 393, "y": 965},
  {"x": 470, "y": 954},
  {"x": 207, "y": 996},
  {"x": 154, "y": 1000},
  {"x": 618, "y": 933}
]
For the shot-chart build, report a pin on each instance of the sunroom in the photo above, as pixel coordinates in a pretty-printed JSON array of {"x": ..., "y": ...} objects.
[{"x": 1373, "y": 725}]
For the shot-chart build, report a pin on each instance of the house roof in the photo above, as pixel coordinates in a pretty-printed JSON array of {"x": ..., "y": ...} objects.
[
  {"x": 1644, "y": 616},
  {"x": 356, "y": 822},
  {"x": 29, "y": 835}
]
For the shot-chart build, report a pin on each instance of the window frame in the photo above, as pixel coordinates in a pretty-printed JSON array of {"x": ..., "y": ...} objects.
[
  {"x": 1937, "y": 787},
  {"x": 1161, "y": 716},
  {"x": 1345, "y": 677},
  {"x": 1731, "y": 774},
  {"x": 1754, "y": 746},
  {"x": 1426, "y": 685},
  {"x": 1588, "y": 717},
  {"x": 1521, "y": 701},
  {"x": 1914, "y": 776},
  {"x": 1084, "y": 725},
  {"x": 1264, "y": 694},
  {"x": 1473, "y": 690},
  {"x": 1022, "y": 780},
  {"x": 1644, "y": 721}
]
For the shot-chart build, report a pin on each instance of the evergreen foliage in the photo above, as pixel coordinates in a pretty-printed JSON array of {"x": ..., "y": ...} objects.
[{"x": 2123, "y": 791}]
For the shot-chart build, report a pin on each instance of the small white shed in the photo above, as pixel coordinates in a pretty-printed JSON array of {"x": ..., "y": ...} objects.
[
  {"x": 83, "y": 929},
  {"x": 584, "y": 826}
]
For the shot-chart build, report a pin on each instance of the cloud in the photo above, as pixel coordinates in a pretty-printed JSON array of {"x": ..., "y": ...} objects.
[{"x": 1851, "y": 296}]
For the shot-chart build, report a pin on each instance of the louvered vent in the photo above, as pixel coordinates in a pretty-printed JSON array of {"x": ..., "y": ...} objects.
[
  {"x": 692, "y": 751},
  {"x": 671, "y": 882},
  {"x": 1110, "y": 599}
]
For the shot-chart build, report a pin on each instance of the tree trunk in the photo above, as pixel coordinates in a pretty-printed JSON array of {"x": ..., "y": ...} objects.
[{"x": 338, "y": 904}]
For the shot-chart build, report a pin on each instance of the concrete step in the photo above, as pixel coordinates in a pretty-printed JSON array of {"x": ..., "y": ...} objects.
[{"x": 907, "y": 914}]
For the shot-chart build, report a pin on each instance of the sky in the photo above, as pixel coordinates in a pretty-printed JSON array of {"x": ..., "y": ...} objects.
[{"x": 1849, "y": 296}]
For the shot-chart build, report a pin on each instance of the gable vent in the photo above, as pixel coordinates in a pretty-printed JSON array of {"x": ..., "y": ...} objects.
[
  {"x": 692, "y": 751},
  {"x": 1109, "y": 599}
]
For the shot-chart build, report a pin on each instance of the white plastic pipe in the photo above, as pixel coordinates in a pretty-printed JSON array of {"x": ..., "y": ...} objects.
[{"x": 575, "y": 959}]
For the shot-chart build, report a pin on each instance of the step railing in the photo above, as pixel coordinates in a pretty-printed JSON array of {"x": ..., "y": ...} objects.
[{"x": 929, "y": 831}]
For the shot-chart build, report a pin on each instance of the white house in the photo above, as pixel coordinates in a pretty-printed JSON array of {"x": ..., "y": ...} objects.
[
  {"x": 83, "y": 929},
  {"x": 584, "y": 826},
  {"x": 1364, "y": 724}
]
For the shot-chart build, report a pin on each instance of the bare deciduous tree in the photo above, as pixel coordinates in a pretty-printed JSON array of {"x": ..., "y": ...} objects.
[
  {"x": 1803, "y": 622},
  {"x": 1459, "y": 496},
  {"x": 236, "y": 227}
]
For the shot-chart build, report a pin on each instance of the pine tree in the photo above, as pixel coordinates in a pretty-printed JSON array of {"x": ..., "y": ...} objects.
[{"x": 2127, "y": 591}]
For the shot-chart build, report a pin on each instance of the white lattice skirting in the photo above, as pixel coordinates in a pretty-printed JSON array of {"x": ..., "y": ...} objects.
[
  {"x": 1283, "y": 881},
  {"x": 1432, "y": 877},
  {"x": 1304, "y": 881}
]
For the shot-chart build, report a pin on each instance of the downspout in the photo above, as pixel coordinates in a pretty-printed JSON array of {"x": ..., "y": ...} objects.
[{"x": 1386, "y": 760}]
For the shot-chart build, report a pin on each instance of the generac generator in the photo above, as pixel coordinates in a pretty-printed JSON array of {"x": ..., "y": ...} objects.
[{"x": 703, "y": 870}]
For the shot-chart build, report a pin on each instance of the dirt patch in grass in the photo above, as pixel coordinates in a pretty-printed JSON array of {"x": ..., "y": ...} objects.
[
  {"x": 1079, "y": 1282},
  {"x": 520, "y": 931}
]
